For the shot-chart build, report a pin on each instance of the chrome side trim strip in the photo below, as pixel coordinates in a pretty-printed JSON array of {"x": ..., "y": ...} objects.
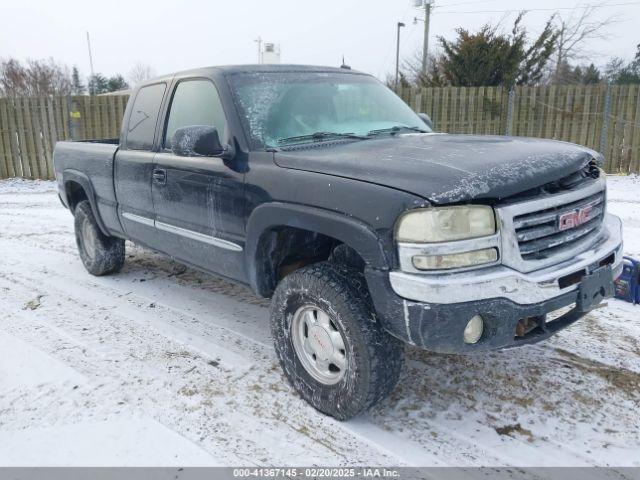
[
  {"x": 200, "y": 237},
  {"x": 137, "y": 218},
  {"x": 183, "y": 232}
]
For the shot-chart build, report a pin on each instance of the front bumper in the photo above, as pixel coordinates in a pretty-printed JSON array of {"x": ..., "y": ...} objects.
[
  {"x": 504, "y": 282},
  {"x": 432, "y": 311}
]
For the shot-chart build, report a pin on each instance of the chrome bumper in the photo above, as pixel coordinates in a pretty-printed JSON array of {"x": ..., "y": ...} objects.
[{"x": 504, "y": 282}]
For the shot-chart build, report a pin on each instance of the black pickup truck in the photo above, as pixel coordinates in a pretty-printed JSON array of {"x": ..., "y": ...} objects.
[{"x": 321, "y": 189}]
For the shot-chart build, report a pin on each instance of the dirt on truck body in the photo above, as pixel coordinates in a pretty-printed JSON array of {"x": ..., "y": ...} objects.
[{"x": 319, "y": 188}]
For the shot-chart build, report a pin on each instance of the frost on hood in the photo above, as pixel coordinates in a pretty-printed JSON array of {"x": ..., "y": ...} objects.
[
  {"x": 474, "y": 185},
  {"x": 448, "y": 168}
]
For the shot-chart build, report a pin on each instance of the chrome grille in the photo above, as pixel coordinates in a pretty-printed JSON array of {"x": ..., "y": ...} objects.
[{"x": 539, "y": 233}]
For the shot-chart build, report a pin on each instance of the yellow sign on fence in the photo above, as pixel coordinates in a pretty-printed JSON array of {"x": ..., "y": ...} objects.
[{"x": 30, "y": 127}]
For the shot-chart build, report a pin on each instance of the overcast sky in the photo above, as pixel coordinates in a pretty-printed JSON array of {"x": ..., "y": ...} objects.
[{"x": 177, "y": 35}]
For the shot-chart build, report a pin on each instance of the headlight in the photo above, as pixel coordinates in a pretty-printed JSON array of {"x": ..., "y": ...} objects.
[{"x": 444, "y": 224}]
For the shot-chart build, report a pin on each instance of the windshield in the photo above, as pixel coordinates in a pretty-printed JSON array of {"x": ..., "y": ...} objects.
[{"x": 284, "y": 108}]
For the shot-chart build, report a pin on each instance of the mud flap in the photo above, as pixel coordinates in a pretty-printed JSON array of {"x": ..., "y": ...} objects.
[{"x": 594, "y": 288}]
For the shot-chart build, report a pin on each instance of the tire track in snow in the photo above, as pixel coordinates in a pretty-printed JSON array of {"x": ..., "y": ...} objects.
[
  {"x": 192, "y": 312},
  {"x": 450, "y": 439},
  {"x": 406, "y": 450},
  {"x": 236, "y": 418},
  {"x": 303, "y": 425}
]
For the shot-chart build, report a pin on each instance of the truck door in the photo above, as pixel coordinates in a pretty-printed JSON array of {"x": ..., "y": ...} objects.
[
  {"x": 199, "y": 201},
  {"x": 134, "y": 165}
]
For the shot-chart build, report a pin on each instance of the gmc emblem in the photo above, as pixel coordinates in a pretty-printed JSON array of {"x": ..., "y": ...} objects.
[{"x": 574, "y": 219}]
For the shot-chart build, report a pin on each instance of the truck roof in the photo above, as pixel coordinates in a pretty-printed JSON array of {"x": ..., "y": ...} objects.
[
  {"x": 254, "y": 68},
  {"x": 251, "y": 68}
]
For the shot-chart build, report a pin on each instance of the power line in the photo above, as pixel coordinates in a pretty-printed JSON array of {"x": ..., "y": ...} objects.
[{"x": 540, "y": 9}]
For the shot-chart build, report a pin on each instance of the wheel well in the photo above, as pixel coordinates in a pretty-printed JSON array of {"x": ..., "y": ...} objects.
[
  {"x": 282, "y": 250},
  {"x": 75, "y": 194}
]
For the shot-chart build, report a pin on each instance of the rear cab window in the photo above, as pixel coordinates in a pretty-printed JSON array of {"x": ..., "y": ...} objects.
[{"x": 144, "y": 117}]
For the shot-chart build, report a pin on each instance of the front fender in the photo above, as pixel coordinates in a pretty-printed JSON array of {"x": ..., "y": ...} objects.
[{"x": 350, "y": 231}]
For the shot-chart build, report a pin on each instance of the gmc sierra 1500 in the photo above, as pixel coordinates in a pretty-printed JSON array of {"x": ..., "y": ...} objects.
[{"x": 320, "y": 188}]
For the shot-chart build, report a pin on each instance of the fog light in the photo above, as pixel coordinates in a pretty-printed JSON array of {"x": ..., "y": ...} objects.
[{"x": 473, "y": 330}]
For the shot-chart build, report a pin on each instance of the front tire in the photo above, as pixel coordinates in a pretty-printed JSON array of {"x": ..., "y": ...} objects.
[
  {"x": 331, "y": 348},
  {"x": 99, "y": 253}
]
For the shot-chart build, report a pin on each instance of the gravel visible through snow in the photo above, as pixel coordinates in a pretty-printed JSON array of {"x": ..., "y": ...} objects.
[{"x": 162, "y": 365}]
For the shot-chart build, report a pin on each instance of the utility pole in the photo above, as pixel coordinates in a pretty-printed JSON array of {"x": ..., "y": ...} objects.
[
  {"x": 425, "y": 45},
  {"x": 400, "y": 25},
  {"x": 90, "y": 63}
]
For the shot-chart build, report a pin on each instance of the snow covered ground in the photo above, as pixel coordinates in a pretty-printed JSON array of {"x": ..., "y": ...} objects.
[{"x": 161, "y": 365}]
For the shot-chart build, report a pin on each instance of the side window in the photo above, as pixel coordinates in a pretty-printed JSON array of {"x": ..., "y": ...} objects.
[
  {"x": 144, "y": 115},
  {"x": 195, "y": 102}
]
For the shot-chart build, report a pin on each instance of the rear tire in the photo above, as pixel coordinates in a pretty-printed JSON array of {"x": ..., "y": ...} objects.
[
  {"x": 337, "y": 356},
  {"x": 99, "y": 253}
]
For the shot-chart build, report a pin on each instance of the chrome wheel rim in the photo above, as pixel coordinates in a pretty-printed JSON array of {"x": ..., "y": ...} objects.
[
  {"x": 89, "y": 240},
  {"x": 319, "y": 344}
]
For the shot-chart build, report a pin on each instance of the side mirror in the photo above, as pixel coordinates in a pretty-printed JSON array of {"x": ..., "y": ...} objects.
[
  {"x": 197, "y": 140},
  {"x": 426, "y": 119}
]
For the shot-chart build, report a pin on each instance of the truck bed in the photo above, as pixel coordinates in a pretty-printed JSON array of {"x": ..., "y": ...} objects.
[{"x": 89, "y": 163}]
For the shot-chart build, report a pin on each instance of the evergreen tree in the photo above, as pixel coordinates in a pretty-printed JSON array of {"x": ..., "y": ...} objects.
[
  {"x": 623, "y": 74},
  {"x": 77, "y": 87},
  {"x": 565, "y": 74},
  {"x": 490, "y": 58},
  {"x": 115, "y": 83},
  {"x": 591, "y": 75},
  {"x": 97, "y": 84}
]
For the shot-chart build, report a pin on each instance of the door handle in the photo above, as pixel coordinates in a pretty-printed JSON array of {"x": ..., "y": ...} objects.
[{"x": 160, "y": 176}]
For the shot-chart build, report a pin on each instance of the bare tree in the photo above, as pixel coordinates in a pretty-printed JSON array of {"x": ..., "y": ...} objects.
[
  {"x": 46, "y": 77},
  {"x": 412, "y": 69},
  {"x": 36, "y": 78},
  {"x": 13, "y": 78},
  {"x": 582, "y": 25},
  {"x": 141, "y": 72}
]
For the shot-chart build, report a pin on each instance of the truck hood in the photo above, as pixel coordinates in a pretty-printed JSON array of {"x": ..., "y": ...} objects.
[{"x": 444, "y": 168}]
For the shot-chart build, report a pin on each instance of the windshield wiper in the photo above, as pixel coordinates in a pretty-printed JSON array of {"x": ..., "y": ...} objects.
[
  {"x": 319, "y": 136},
  {"x": 396, "y": 129}
]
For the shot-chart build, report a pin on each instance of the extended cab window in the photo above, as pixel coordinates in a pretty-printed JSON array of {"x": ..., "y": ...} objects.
[
  {"x": 144, "y": 115},
  {"x": 195, "y": 102}
]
